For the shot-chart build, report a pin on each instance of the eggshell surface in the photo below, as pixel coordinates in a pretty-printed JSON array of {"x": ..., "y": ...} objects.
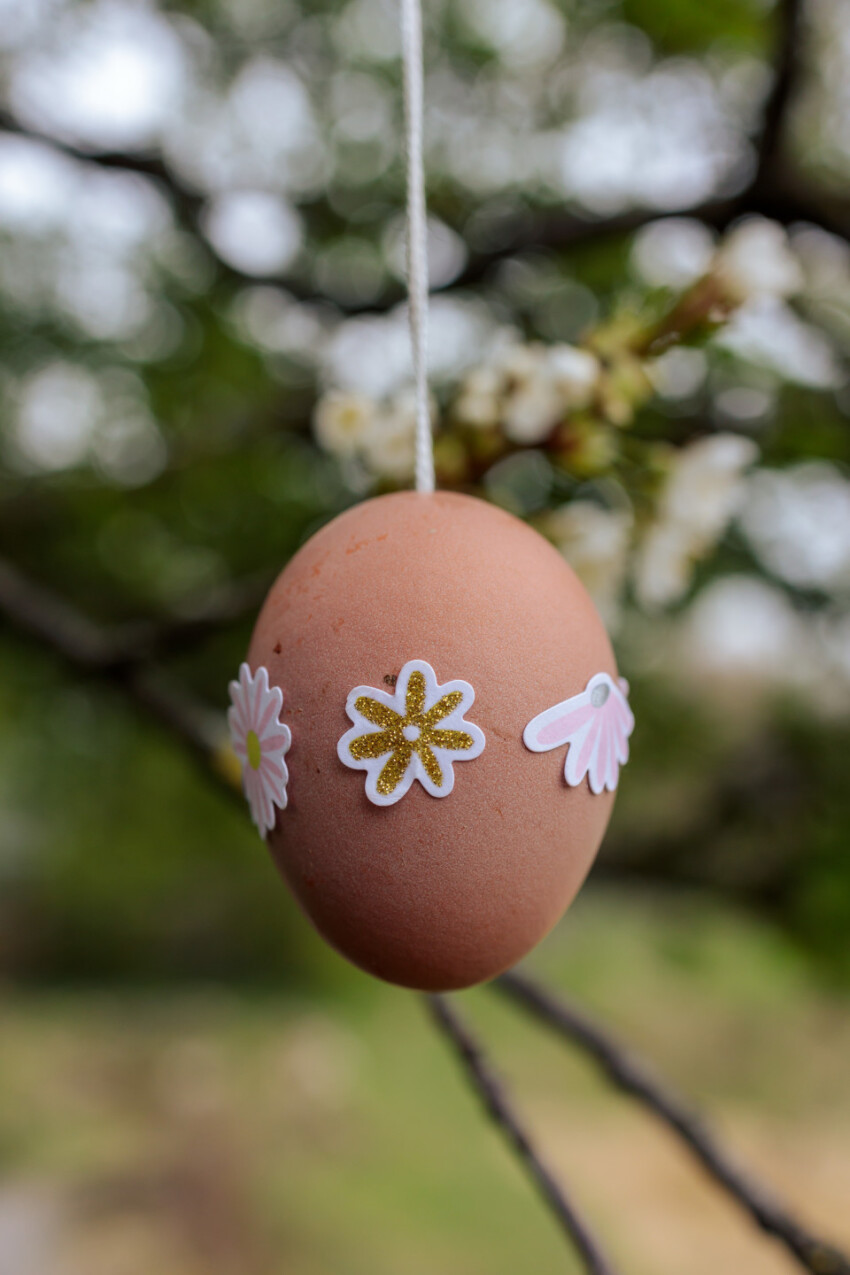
[{"x": 432, "y": 893}]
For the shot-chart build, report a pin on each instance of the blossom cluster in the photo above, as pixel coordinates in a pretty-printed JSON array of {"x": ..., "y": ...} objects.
[
  {"x": 641, "y": 513},
  {"x": 527, "y": 390},
  {"x": 380, "y": 435}
]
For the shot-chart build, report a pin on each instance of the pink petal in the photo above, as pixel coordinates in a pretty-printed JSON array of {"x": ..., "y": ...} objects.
[
  {"x": 251, "y": 691},
  {"x": 252, "y": 792},
  {"x": 272, "y": 775},
  {"x": 256, "y": 694},
  {"x": 261, "y": 796},
  {"x": 620, "y": 712},
  {"x": 260, "y": 799},
  {"x": 238, "y": 709},
  {"x": 581, "y": 751},
  {"x": 621, "y": 740},
  {"x": 599, "y": 773},
  {"x": 612, "y": 769},
  {"x": 276, "y": 758},
  {"x": 268, "y": 784},
  {"x": 558, "y": 730},
  {"x": 266, "y": 814},
  {"x": 271, "y": 743},
  {"x": 270, "y": 712},
  {"x": 248, "y": 781},
  {"x": 270, "y": 811}
]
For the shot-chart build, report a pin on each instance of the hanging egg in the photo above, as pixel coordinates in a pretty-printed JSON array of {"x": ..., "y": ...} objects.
[{"x": 431, "y": 726}]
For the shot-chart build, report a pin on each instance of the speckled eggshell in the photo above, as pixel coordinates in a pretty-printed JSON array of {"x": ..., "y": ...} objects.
[{"x": 433, "y": 893}]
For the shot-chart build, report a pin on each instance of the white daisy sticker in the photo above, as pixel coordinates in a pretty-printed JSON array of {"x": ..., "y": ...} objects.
[
  {"x": 261, "y": 742},
  {"x": 421, "y": 731},
  {"x": 595, "y": 724}
]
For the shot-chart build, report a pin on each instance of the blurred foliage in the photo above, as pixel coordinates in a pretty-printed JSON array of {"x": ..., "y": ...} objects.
[
  {"x": 206, "y": 1132},
  {"x": 183, "y": 463}
]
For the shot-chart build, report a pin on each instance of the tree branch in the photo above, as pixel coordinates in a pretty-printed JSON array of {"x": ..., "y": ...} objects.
[
  {"x": 786, "y": 74},
  {"x": 118, "y": 658},
  {"x": 500, "y": 1110},
  {"x": 631, "y": 1075},
  {"x": 778, "y": 195},
  {"x": 47, "y": 617}
]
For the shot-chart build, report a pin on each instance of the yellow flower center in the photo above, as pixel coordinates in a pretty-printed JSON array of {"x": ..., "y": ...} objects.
[{"x": 253, "y": 749}]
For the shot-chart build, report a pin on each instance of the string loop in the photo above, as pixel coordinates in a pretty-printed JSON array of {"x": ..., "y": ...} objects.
[{"x": 417, "y": 236}]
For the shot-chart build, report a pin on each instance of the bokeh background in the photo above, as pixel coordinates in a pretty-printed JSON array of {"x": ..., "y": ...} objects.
[{"x": 641, "y": 322}]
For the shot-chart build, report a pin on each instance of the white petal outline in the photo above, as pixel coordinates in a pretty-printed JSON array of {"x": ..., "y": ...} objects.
[
  {"x": 256, "y": 706},
  {"x": 597, "y": 738},
  {"x": 397, "y": 701}
]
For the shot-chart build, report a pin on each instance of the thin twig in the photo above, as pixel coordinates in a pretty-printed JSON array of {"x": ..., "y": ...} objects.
[
  {"x": 633, "y": 1076},
  {"x": 119, "y": 659},
  {"x": 500, "y": 1110},
  {"x": 49, "y": 618},
  {"x": 786, "y": 74}
]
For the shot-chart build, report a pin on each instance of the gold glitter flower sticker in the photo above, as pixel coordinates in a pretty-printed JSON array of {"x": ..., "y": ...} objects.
[{"x": 421, "y": 732}]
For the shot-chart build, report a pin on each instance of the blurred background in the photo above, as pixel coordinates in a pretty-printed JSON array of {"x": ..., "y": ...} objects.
[{"x": 639, "y": 220}]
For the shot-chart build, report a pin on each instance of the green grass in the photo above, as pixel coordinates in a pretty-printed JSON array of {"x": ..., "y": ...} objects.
[{"x": 209, "y": 1131}]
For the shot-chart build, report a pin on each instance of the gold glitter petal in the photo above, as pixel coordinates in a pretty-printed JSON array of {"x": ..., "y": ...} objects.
[
  {"x": 432, "y": 766},
  {"x": 456, "y": 741},
  {"x": 374, "y": 745},
  {"x": 393, "y": 772},
  {"x": 415, "y": 694},
  {"x": 442, "y": 708},
  {"x": 376, "y": 712}
]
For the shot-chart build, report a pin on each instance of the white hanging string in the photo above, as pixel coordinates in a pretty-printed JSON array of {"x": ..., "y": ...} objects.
[{"x": 417, "y": 236}]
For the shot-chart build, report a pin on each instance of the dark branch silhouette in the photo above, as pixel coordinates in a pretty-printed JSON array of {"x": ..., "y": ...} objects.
[
  {"x": 500, "y": 1110},
  {"x": 775, "y": 190},
  {"x": 633, "y": 1076},
  {"x": 785, "y": 200},
  {"x": 118, "y": 658},
  {"x": 786, "y": 74},
  {"x": 47, "y": 617}
]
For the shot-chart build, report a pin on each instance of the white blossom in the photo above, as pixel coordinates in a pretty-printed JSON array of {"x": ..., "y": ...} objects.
[
  {"x": 705, "y": 485},
  {"x": 678, "y": 373},
  {"x": 767, "y": 331},
  {"x": 344, "y": 422},
  {"x": 390, "y": 449},
  {"x": 575, "y": 373},
  {"x": 798, "y": 522},
  {"x": 756, "y": 260},
  {"x": 543, "y": 385},
  {"x": 702, "y": 492},
  {"x": 595, "y": 542},
  {"x": 391, "y": 452},
  {"x": 532, "y": 411},
  {"x": 663, "y": 566},
  {"x": 531, "y": 405},
  {"x": 673, "y": 252},
  {"x": 528, "y": 389},
  {"x": 745, "y": 629},
  {"x": 479, "y": 402}
]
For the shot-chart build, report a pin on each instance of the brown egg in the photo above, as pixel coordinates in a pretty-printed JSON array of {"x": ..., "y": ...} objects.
[{"x": 432, "y": 892}]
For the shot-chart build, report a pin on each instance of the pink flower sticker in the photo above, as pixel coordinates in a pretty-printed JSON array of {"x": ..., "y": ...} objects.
[
  {"x": 596, "y": 725},
  {"x": 261, "y": 742}
]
